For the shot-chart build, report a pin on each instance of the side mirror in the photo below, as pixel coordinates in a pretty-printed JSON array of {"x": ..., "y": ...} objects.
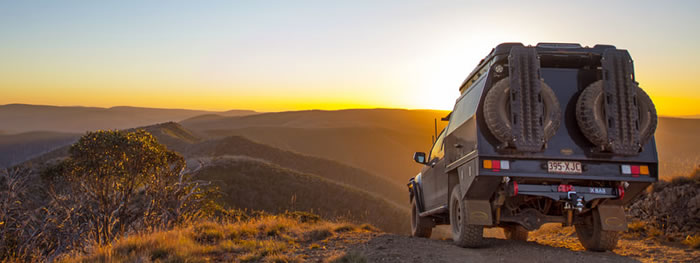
[{"x": 419, "y": 157}]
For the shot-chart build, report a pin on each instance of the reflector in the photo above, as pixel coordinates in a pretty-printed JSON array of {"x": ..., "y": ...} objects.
[
  {"x": 626, "y": 169},
  {"x": 505, "y": 165},
  {"x": 644, "y": 170}
]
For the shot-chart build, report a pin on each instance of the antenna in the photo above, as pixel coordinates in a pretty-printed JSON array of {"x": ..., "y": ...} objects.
[{"x": 436, "y": 135}]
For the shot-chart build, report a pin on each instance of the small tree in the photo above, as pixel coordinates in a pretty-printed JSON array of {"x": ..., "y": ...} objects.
[
  {"x": 128, "y": 181},
  {"x": 113, "y": 182}
]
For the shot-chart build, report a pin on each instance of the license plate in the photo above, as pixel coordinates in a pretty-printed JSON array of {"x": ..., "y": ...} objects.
[{"x": 565, "y": 167}]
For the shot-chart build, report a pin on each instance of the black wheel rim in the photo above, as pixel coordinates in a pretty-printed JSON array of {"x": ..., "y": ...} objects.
[
  {"x": 456, "y": 219},
  {"x": 414, "y": 219}
]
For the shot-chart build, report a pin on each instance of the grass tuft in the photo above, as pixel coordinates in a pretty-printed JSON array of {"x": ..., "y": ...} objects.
[
  {"x": 368, "y": 227},
  {"x": 349, "y": 257},
  {"x": 208, "y": 233},
  {"x": 344, "y": 228},
  {"x": 303, "y": 217},
  {"x": 693, "y": 241},
  {"x": 319, "y": 233}
]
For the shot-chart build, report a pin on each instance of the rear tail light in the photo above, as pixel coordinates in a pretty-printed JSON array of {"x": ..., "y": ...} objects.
[
  {"x": 621, "y": 192},
  {"x": 497, "y": 165},
  {"x": 634, "y": 170}
]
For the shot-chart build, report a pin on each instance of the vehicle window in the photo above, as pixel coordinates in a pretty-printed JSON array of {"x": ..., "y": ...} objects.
[
  {"x": 466, "y": 105},
  {"x": 438, "y": 151}
]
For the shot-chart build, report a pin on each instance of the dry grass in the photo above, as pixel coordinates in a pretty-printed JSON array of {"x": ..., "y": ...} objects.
[
  {"x": 266, "y": 239},
  {"x": 349, "y": 257},
  {"x": 641, "y": 229},
  {"x": 693, "y": 241}
]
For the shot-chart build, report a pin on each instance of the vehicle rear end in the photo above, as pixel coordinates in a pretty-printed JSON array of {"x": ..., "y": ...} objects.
[{"x": 562, "y": 134}]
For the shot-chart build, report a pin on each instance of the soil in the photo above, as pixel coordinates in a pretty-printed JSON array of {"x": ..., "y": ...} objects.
[{"x": 551, "y": 243}]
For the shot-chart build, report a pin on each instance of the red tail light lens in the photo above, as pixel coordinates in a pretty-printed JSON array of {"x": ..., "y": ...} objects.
[{"x": 621, "y": 191}]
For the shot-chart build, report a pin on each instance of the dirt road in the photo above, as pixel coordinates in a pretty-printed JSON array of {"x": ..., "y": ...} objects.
[
  {"x": 395, "y": 248},
  {"x": 552, "y": 243}
]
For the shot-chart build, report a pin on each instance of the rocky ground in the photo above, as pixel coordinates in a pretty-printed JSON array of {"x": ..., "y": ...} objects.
[
  {"x": 551, "y": 243},
  {"x": 672, "y": 207},
  {"x": 664, "y": 226}
]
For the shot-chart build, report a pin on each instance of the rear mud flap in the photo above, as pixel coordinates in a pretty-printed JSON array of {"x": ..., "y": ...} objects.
[
  {"x": 479, "y": 212},
  {"x": 612, "y": 217}
]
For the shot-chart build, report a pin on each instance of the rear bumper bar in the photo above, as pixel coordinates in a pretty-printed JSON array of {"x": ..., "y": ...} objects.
[{"x": 565, "y": 192}]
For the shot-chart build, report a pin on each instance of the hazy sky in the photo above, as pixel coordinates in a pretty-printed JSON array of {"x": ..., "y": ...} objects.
[{"x": 289, "y": 55}]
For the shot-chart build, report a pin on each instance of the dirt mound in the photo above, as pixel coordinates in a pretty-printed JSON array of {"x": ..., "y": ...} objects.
[{"x": 673, "y": 207}]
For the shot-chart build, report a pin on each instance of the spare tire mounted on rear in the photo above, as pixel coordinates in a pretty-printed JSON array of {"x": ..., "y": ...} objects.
[
  {"x": 590, "y": 115},
  {"x": 497, "y": 111}
]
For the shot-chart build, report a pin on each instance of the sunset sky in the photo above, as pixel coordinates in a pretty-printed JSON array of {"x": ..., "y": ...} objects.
[{"x": 292, "y": 55}]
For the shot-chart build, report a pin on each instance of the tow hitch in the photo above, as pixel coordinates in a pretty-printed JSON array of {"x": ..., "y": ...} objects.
[
  {"x": 574, "y": 201},
  {"x": 573, "y": 197},
  {"x": 576, "y": 195}
]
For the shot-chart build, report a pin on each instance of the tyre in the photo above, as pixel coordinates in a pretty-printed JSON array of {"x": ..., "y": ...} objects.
[
  {"x": 497, "y": 111},
  {"x": 647, "y": 117},
  {"x": 590, "y": 115},
  {"x": 592, "y": 236},
  {"x": 515, "y": 232},
  {"x": 420, "y": 226},
  {"x": 463, "y": 234}
]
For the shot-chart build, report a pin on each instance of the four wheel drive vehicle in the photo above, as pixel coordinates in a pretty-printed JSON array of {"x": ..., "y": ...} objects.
[{"x": 552, "y": 133}]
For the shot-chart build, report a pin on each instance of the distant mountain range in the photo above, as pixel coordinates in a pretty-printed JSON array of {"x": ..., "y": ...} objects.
[
  {"x": 379, "y": 141},
  {"x": 19, "y": 118},
  {"x": 348, "y": 162}
]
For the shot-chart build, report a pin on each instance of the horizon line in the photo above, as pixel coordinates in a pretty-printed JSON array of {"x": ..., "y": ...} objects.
[{"x": 214, "y": 111}]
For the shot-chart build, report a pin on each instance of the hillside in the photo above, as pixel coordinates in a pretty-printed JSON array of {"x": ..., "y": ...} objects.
[
  {"x": 420, "y": 120},
  {"x": 193, "y": 148},
  {"x": 188, "y": 143},
  {"x": 253, "y": 184},
  {"x": 328, "y": 169},
  {"x": 17, "y": 148},
  {"x": 385, "y": 152},
  {"x": 380, "y": 141},
  {"x": 17, "y": 118},
  {"x": 282, "y": 238},
  {"x": 678, "y": 144}
]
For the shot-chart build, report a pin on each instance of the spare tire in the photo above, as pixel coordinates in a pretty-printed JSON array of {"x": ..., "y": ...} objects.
[
  {"x": 497, "y": 111},
  {"x": 590, "y": 115}
]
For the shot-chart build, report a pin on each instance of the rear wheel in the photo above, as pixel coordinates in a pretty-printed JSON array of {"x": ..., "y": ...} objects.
[
  {"x": 515, "y": 232},
  {"x": 463, "y": 234},
  {"x": 592, "y": 236},
  {"x": 420, "y": 226}
]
